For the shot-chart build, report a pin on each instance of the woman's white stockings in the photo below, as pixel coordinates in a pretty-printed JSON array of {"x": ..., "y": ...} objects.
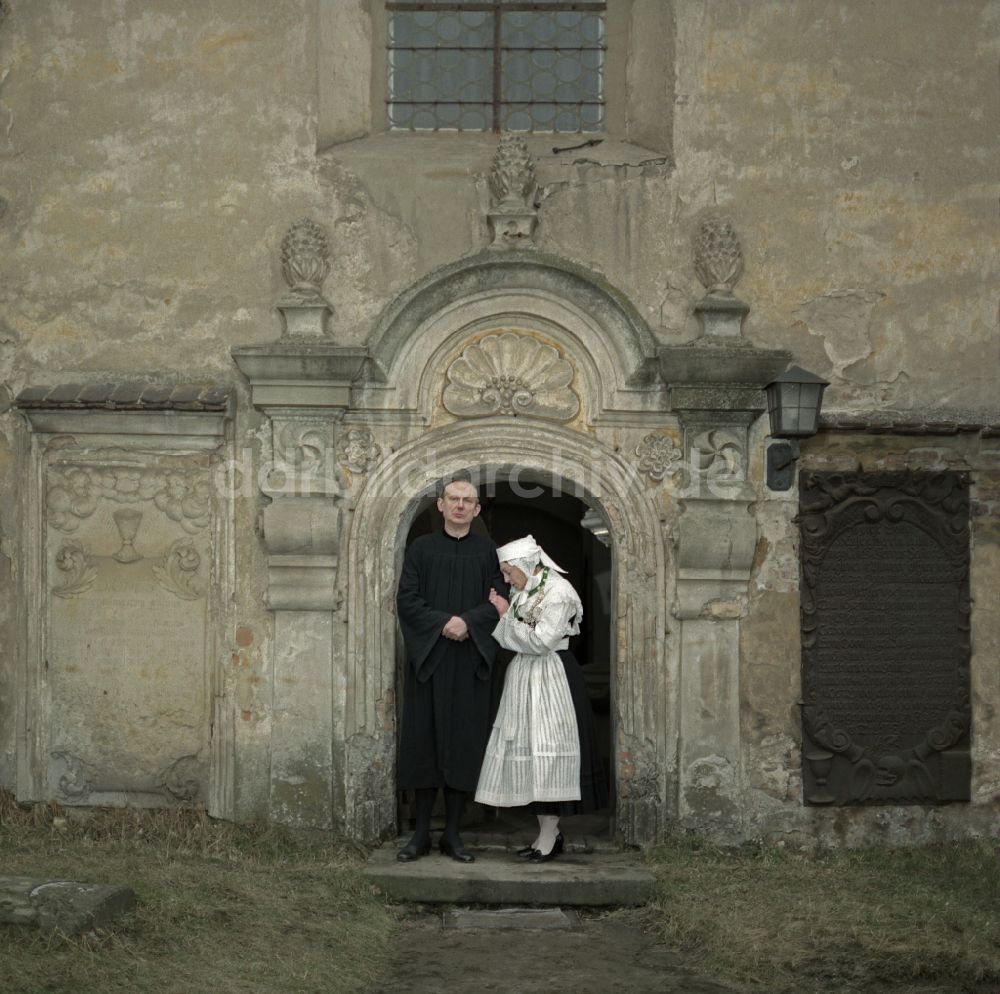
[{"x": 548, "y": 829}]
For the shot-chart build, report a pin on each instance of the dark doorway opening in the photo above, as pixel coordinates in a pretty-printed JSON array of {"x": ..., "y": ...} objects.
[{"x": 575, "y": 535}]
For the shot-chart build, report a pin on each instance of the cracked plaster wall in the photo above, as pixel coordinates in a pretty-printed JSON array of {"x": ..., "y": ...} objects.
[{"x": 154, "y": 155}]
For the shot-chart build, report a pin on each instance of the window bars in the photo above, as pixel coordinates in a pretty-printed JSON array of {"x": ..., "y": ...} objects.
[{"x": 504, "y": 65}]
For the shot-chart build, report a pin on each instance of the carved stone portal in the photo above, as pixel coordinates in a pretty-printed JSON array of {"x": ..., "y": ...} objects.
[{"x": 885, "y": 638}]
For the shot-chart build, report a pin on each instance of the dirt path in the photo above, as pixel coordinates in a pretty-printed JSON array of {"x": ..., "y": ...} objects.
[{"x": 604, "y": 954}]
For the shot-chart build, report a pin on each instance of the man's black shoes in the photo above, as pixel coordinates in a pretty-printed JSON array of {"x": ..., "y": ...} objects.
[
  {"x": 458, "y": 853},
  {"x": 413, "y": 849}
]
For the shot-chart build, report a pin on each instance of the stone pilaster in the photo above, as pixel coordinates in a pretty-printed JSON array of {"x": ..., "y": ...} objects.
[
  {"x": 304, "y": 389},
  {"x": 716, "y": 389}
]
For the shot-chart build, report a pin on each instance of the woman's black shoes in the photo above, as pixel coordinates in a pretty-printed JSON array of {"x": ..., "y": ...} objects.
[
  {"x": 460, "y": 855},
  {"x": 557, "y": 848},
  {"x": 413, "y": 850},
  {"x": 527, "y": 852}
]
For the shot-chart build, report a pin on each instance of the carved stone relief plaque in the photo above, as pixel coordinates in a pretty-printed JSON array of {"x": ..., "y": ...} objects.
[
  {"x": 511, "y": 373},
  {"x": 128, "y": 566},
  {"x": 885, "y": 637}
]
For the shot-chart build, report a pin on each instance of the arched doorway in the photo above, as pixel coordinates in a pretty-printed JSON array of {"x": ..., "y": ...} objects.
[
  {"x": 575, "y": 533},
  {"x": 643, "y": 662}
]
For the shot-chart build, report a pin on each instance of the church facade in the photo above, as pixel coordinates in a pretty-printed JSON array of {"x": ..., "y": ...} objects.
[{"x": 253, "y": 315}]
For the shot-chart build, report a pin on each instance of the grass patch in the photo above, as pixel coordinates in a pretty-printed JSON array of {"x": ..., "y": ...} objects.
[
  {"x": 222, "y": 908},
  {"x": 916, "y": 919}
]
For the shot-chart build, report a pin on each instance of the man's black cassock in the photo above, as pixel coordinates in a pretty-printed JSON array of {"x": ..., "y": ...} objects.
[{"x": 446, "y": 689}]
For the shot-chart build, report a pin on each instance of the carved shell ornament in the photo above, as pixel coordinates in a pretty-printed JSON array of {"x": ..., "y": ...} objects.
[{"x": 514, "y": 374}]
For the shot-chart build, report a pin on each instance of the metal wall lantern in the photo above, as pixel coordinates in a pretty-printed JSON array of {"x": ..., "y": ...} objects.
[{"x": 794, "y": 400}]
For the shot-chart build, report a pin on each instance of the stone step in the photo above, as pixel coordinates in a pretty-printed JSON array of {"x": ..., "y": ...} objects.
[{"x": 576, "y": 879}]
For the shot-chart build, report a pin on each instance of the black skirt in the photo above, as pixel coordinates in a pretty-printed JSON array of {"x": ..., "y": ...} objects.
[{"x": 593, "y": 781}]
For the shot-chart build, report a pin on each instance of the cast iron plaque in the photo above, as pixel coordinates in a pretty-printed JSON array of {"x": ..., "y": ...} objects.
[{"x": 885, "y": 637}]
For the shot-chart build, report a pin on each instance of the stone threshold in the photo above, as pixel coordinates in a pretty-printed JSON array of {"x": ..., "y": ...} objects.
[{"x": 577, "y": 878}]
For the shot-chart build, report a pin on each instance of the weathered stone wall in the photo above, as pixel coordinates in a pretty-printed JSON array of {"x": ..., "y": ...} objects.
[
  {"x": 154, "y": 155},
  {"x": 154, "y": 158}
]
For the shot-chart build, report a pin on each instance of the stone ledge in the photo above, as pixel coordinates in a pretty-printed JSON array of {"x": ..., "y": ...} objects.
[
  {"x": 573, "y": 880},
  {"x": 66, "y": 906},
  {"x": 125, "y": 397},
  {"x": 946, "y": 422}
]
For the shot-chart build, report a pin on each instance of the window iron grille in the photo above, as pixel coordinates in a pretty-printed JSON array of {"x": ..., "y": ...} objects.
[{"x": 504, "y": 65}]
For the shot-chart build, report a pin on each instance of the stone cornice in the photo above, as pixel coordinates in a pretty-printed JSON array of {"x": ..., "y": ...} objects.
[
  {"x": 126, "y": 396},
  {"x": 942, "y": 422},
  {"x": 295, "y": 374}
]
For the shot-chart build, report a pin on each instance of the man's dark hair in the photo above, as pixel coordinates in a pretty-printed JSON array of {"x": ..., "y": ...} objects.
[{"x": 462, "y": 476}]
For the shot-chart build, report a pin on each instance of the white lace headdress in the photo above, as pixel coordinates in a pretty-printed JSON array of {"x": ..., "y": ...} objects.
[{"x": 525, "y": 553}]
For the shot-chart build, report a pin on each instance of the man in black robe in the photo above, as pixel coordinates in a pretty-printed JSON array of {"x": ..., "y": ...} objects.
[{"x": 447, "y": 622}]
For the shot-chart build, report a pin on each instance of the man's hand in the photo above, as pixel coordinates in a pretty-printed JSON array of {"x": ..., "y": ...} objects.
[
  {"x": 500, "y": 603},
  {"x": 456, "y": 630}
]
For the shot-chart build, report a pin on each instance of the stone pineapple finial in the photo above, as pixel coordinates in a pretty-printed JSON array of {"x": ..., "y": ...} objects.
[
  {"x": 305, "y": 258},
  {"x": 718, "y": 258},
  {"x": 512, "y": 178},
  {"x": 718, "y": 261},
  {"x": 305, "y": 263},
  {"x": 513, "y": 215}
]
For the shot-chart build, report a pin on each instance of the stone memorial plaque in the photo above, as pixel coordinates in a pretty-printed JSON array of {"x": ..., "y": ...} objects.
[
  {"x": 885, "y": 637},
  {"x": 129, "y": 567}
]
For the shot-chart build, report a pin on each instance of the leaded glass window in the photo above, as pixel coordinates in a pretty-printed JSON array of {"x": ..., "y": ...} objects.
[{"x": 504, "y": 65}]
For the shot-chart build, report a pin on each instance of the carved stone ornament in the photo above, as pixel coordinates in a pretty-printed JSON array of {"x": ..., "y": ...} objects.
[
  {"x": 513, "y": 215},
  {"x": 127, "y": 520},
  {"x": 358, "y": 450},
  {"x": 303, "y": 459},
  {"x": 305, "y": 258},
  {"x": 303, "y": 446},
  {"x": 178, "y": 570},
  {"x": 718, "y": 258},
  {"x": 512, "y": 177},
  {"x": 73, "y": 561},
  {"x": 658, "y": 456},
  {"x": 181, "y": 780},
  {"x": 73, "y": 492},
  {"x": 511, "y": 374},
  {"x": 719, "y": 452},
  {"x": 74, "y": 776}
]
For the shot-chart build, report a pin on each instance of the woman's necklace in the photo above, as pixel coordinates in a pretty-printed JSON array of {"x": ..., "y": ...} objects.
[{"x": 539, "y": 589}]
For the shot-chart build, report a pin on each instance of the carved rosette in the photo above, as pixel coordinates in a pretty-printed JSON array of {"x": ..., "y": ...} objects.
[
  {"x": 305, "y": 258},
  {"x": 719, "y": 453},
  {"x": 658, "y": 456},
  {"x": 302, "y": 445},
  {"x": 718, "y": 258},
  {"x": 178, "y": 570},
  {"x": 74, "y": 491},
  {"x": 511, "y": 374},
  {"x": 73, "y": 561},
  {"x": 358, "y": 450},
  {"x": 303, "y": 459}
]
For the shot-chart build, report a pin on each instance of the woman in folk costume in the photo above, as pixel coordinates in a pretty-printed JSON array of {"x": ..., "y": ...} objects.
[{"x": 542, "y": 750}]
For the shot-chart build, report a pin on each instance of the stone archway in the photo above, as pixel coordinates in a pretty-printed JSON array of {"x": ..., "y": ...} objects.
[{"x": 645, "y": 668}]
